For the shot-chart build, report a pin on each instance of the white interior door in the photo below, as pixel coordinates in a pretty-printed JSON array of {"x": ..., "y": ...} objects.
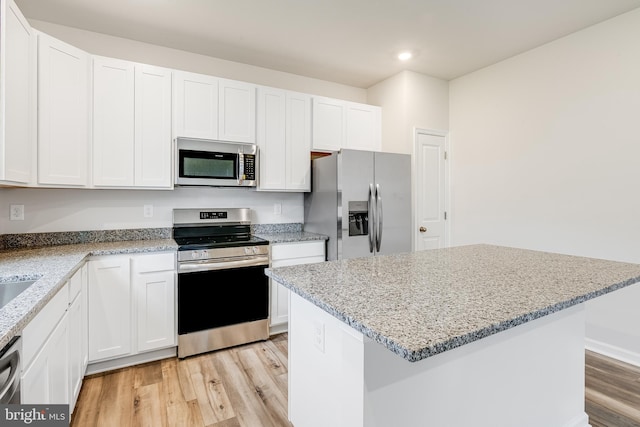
[{"x": 431, "y": 190}]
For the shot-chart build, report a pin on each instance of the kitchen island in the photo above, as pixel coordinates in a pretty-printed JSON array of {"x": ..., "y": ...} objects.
[{"x": 475, "y": 335}]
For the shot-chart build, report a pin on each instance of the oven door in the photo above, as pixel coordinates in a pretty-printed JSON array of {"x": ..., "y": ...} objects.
[{"x": 223, "y": 297}]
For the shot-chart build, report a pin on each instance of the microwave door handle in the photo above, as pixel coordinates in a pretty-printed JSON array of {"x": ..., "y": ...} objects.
[{"x": 240, "y": 168}]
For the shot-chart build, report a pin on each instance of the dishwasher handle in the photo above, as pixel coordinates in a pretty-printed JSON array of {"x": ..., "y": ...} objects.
[{"x": 8, "y": 389}]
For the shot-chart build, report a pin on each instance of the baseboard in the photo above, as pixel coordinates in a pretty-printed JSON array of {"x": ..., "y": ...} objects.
[
  {"x": 123, "y": 362},
  {"x": 278, "y": 329},
  {"x": 581, "y": 420},
  {"x": 613, "y": 351}
]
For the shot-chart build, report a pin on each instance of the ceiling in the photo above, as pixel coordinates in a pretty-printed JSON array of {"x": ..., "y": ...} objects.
[{"x": 353, "y": 42}]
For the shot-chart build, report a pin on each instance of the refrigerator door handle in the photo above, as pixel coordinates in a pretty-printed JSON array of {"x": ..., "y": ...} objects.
[
  {"x": 378, "y": 218},
  {"x": 371, "y": 215}
]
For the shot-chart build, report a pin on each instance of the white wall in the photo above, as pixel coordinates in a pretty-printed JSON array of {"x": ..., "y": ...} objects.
[
  {"x": 49, "y": 210},
  {"x": 116, "y": 47},
  {"x": 409, "y": 100},
  {"x": 546, "y": 149}
]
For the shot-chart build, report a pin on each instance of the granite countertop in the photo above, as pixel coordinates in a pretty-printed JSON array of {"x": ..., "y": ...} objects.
[
  {"x": 51, "y": 267},
  {"x": 291, "y": 237},
  {"x": 423, "y": 303}
]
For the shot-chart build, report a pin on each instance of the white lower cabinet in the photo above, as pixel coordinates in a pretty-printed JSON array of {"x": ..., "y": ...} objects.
[
  {"x": 131, "y": 305},
  {"x": 282, "y": 255},
  {"x": 54, "y": 347}
]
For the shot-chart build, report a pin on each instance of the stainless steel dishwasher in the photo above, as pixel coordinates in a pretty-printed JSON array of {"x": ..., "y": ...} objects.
[{"x": 10, "y": 372}]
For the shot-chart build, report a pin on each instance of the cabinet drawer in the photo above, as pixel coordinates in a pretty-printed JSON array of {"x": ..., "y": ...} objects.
[
  {"x": 36, "y": 332},
  {"x": 153, "y": 262},
  {"x": 297, "y": 261},
  {"x": 297, "y": 250}
]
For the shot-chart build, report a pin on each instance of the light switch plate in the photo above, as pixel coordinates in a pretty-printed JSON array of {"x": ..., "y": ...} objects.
[
  {"x": 16, "y": 213},
  {"x": 148, "y": 211}
]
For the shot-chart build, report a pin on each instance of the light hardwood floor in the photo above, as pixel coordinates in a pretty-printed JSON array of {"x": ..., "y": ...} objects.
[
  {"x": 612, "y": 392},
  {"x": 247, "y": 387}
]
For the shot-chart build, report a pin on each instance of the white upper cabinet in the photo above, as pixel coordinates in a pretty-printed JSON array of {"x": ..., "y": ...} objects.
[
  {"x": 63, "y": 106},
  {"x": 284, "y": 140},
  {"x": 152, "y": 127},
  {"x": 17, "y": 91},
  {"x": 341, "y": 124},
  {"x": 131, "y": 124},
  {"x": 211, "y": 108},
  {"x": 363, "y": 127},
  {"x": 113, "y": 122},
  {"x": 195, "y": 105},
  {"x": 237, "y": 111},
  {"x": 328, "y": 124}
]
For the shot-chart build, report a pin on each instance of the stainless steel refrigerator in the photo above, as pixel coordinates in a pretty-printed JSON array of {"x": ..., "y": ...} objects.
[{"x": 362, "y": 201}]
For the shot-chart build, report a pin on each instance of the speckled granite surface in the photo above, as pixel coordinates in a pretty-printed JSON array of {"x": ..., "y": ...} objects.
[
  {"x": 276, "y": 228},
  {"x": 52, "y": 266},
  {"x": 289, "y": 237},
  {"x": 424, "y": 303},
  {"x": 32, "y": 240}
]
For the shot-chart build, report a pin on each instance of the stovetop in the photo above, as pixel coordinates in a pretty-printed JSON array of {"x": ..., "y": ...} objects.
[{"x": 211, "y": 242}]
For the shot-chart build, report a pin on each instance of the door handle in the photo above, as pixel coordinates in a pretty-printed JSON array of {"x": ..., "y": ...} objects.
[{"x": 423, "y": 229}]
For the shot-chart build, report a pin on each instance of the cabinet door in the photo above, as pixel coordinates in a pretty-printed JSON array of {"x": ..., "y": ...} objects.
[
  {"x": 113, "y": 122},
  {"x": 155, "y": 307},
  {"x": 153, "y": 127},
  {"x": 363, "y": 127},
  {"x": 46, "y": 380},
  {"x": 237, "y": 111},
  {"x": 17, "y": 65},
  {"x": 109, "y": 308},
  {"x": 286, "y": 254},
  {"x": 271, "y": 138},
  {"x": 63, "y": 122},
  {"x": 298, "y": 137},
  {"x": 195, "y": 105},
  {"x": 85, "y": 316},
  {"x": 76, "y": 350},
  {"x": 328, "y": 124}
]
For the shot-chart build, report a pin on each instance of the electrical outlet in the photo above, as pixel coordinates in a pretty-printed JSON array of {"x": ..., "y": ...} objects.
[
  {"x": 17, "y": 213},
  {"x": 277, "y": 208},
  {"x": 148, "y": 211}
]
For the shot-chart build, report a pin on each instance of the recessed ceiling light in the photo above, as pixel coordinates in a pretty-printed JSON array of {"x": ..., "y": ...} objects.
[{"x": 404, "y": 56}]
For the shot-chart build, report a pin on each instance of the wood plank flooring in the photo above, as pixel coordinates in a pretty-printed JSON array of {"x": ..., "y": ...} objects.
[
  {"x": 247, "y": 387},
  {"x": 612, "y": 392},
  {"x": 243, "y": 386}
]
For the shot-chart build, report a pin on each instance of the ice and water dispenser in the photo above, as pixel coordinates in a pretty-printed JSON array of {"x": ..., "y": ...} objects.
[{"x": 358, "y": 218}]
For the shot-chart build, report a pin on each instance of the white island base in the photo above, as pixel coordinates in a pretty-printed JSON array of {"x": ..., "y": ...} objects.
[{"x": 531, "y": 375}]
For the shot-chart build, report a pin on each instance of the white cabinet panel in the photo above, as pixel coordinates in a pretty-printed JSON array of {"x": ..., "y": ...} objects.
[
  {"x": 271, "y": 138},
  {"x": 341, "y": 124},
  {"x": 109, "y": 308},
  {"x": 155, "y": 307},
  {"x": 17, "y": 90},
  {"x": 46, "y": 380},
  {"x": 113, "y": 122},
  {"x": 282, "y": 255},
  {"x": 153, "y": 127},
  {"x": 195, "y": 105},
  {"x": 328, "y": 124},
  {"x": 363, "y": 127},
  {"x": 284, "y": 140},
  {"x": 76, "y": 349},
  {"x": 63, "y": 105},
  {"x": 237, "y": 111}
]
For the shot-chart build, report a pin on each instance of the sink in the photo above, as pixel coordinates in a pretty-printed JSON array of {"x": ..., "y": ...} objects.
[{"x": 10, "y": 290}]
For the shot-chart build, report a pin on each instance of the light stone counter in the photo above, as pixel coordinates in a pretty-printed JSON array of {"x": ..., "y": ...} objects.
[
  {"x": 291, "y": 237},
  {"x": 424, "y": 303},
  {"x": 51, "y": 267}
]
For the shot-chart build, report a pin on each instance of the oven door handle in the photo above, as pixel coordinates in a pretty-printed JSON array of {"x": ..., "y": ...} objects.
[{"x": 192, "y": 267}]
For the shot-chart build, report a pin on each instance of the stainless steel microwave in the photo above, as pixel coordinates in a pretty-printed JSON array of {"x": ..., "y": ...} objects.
[{"x": 215, "y": 163}]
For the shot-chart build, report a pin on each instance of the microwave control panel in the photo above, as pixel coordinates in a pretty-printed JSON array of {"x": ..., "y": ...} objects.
[{"x": 249, "y": 167}]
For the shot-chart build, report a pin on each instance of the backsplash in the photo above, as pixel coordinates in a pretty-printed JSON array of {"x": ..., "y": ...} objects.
[{"x": 33, "y": 240}]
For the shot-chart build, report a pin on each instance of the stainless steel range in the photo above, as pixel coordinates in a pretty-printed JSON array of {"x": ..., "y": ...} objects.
[{"x": 223, "y": 294}]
